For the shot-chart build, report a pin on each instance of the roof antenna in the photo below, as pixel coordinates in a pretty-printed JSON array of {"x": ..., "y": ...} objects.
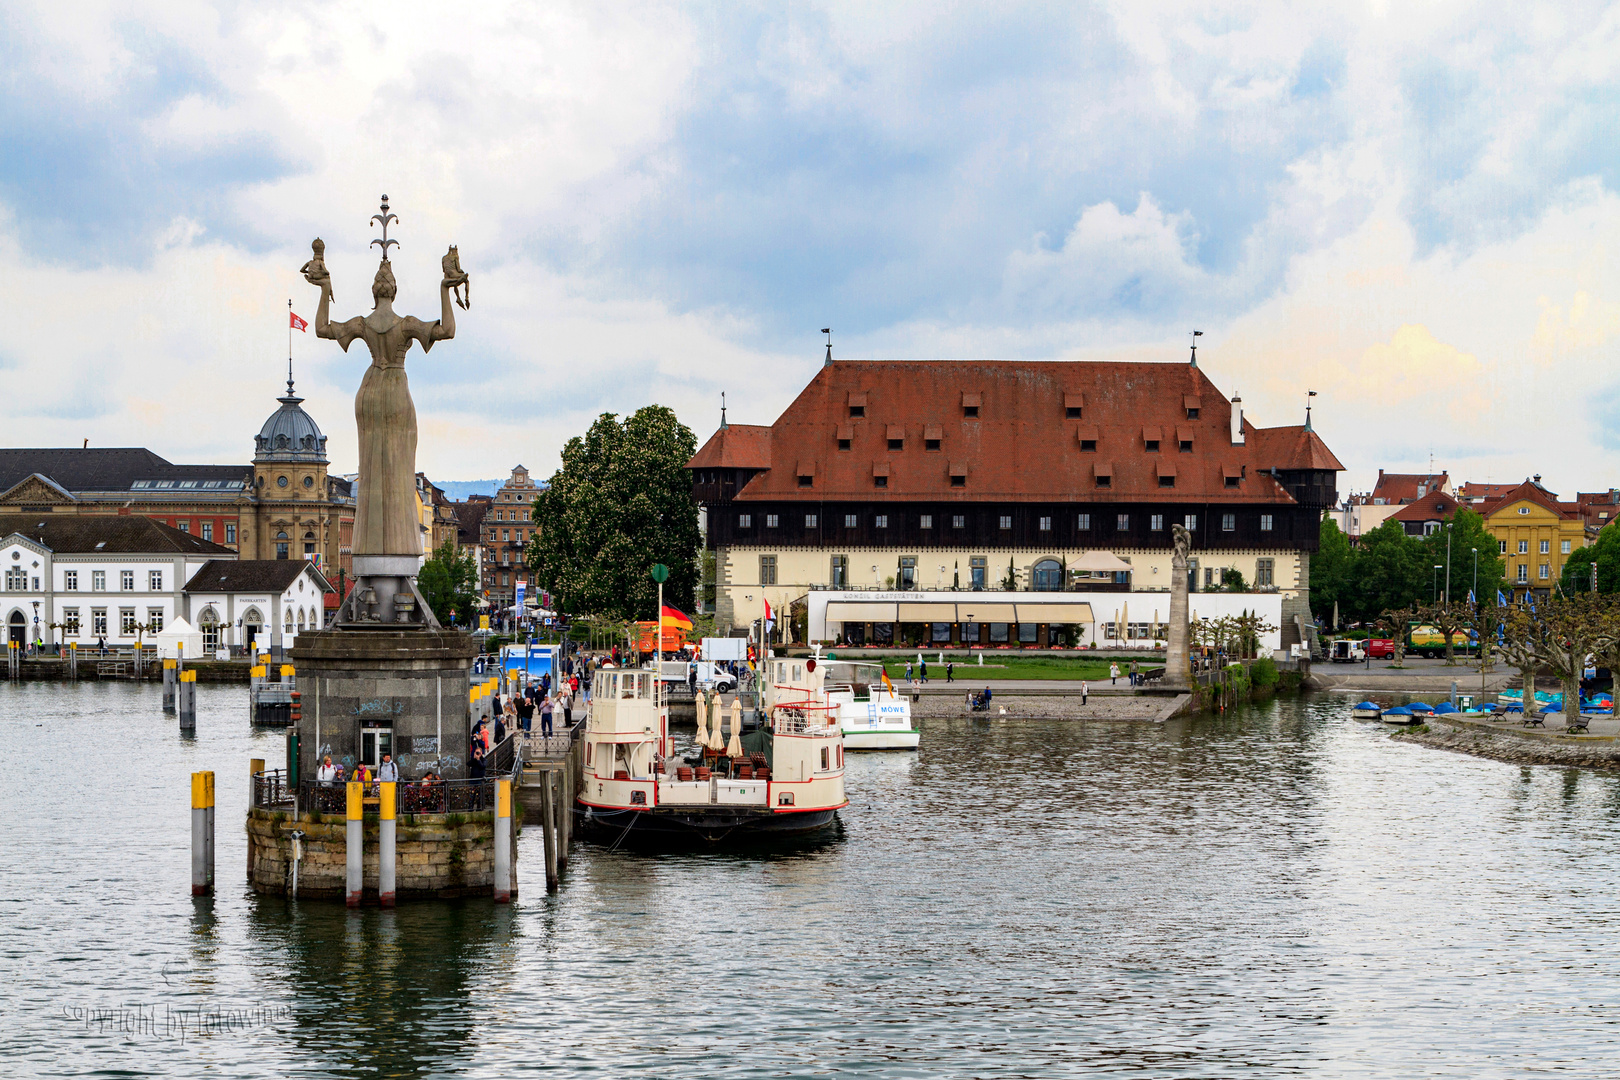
[
  {"x": 828, "y": 332},
  {"x": 1196, "y": 334},
  {"x": 722, "y": 410},
  {"x": 1308, "y": 395}
]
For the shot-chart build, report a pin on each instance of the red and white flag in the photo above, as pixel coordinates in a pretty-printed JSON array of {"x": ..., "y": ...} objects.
[
  {"x": 770, "y": 616},
  {"x": 297, "y": 323}
]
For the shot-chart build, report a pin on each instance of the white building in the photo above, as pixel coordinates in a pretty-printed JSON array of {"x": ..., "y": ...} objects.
[
  {"x": 261, "y": 602},
  {"x": 87, "y": 577}
]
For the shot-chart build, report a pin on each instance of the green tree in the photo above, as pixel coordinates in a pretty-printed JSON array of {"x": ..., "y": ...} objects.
[
  {"x": 1232, "y": 580},
  {"x": 1331, "y": 574},
  {"x": 1465, "y": 531},
  {"x": 1389, "y": 570},
  {"x": 621, "y": 502},
  {"x": 449, "y": 583},
  {"x": 1605, "y": 551}
]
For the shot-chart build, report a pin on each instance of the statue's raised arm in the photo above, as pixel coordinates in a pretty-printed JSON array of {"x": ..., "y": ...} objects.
[
  {"x": 453, "y": 286},
  {"x": 315, "y": 273}
]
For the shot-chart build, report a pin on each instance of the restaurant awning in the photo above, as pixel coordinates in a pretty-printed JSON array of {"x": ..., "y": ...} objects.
[
  {"x": 986, "y": 613},
  {"x": 847, "y": 611},
  {"x": 1101, "y": 560},
  {"x": 927, "y": 612},
  {"x": 1054, "y": 613}
]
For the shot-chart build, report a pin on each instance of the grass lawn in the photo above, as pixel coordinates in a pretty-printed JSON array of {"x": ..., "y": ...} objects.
[{"x": 1013, "y": 666}]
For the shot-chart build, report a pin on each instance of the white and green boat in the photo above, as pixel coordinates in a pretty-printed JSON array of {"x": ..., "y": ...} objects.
[{"x": 871, "y": 713}]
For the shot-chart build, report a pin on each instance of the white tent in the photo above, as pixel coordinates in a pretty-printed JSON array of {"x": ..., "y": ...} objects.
[
  {"x": 178, "y": 633},
  {"x": 1102, "y": 562}
]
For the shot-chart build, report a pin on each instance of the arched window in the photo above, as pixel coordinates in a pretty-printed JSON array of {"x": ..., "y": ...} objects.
[
  {"x": 300, "y": 622},
  {"x": 287, "y": 623},
  {"x": 1048, "y": 576},
  {"x": 281, "y": 544},
  {"x": 252, "y": 627},
  {"x": 208, "y": 623}
]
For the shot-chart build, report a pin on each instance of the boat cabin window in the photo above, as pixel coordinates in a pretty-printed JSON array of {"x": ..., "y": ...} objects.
[
  {"x": 588, "y": 752},
  {"x": 826, "y": 755},
  {"x": 784, "y": 798}
]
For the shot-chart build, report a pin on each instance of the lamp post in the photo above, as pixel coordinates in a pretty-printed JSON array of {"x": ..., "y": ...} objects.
[
  {"x": 1475, "y": 589},
  {"x": 1437, "y": 569},
  {"x": 36, "y": 623},
  {"x": 1448, "y": 564}
]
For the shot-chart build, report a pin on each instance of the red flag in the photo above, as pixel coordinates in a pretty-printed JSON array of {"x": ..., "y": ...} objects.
[{"x": 297, "y": 323}]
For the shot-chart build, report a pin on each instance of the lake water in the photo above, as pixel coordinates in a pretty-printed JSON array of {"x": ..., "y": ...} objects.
[{"x": 1281, "y": 891}]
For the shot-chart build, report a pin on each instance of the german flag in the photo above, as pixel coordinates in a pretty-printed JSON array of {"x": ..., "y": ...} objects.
[{"x": 675, "y": 619}]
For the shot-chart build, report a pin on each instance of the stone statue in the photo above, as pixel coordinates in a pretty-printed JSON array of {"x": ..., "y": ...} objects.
[
  {"x": 1181, "y": 542},
  {"x": 460, "y": 283},
  {"x": 315, "y": 271}
]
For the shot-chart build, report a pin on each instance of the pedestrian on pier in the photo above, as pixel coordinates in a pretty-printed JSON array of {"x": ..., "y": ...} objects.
[
  {"x": 526, "y": 713},
  {"x": 388, "y": 772},
  {"x": 1113, "y": 674},
  {"x": 327, "y": 772},
  {"x": 545, "y": 717},
  {"x": 923, "y": 668},
  {"x": 476, "y": 768},
  {"x": 1085, "y": 691},
  {"x": 950, "y": 671},
  {"x": 909, "y": 677}
]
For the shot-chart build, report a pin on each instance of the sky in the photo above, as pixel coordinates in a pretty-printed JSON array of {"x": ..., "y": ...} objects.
[{"x": 1412, "y": 209}]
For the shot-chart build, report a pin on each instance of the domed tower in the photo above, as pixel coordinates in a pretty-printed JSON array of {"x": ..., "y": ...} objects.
[{"x": 292, "y": 502}]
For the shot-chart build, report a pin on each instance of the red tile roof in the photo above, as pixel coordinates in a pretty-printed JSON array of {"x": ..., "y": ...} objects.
[
  {"x": 1534, "y": 492},
  {"x": 1396, "y": 488},
  {"x": 737, "y": 446},
  {"x": 1435, "y": 506},
  {"x": 1475, "y": 492},
  {"x": 1022, "y": 445}
]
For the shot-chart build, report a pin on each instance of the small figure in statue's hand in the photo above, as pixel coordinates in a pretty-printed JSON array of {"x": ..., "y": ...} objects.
[
  {"x": 456, "y": 277},
  {"x": 315, "y": 271}
]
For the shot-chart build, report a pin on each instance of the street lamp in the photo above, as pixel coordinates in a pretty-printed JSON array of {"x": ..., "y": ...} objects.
[
  {"x": 1437, "y": 569},
  {"x": 36, "y": 621},
  {"x": 1475, "y": 589}
]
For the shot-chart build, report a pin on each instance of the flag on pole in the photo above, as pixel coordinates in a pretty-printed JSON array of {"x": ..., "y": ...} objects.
[
  {"x": 674, "y": 619},
  {"x": 1471, "y": 596},
  {"x": 770, "y": 616},
  {"x": 1501, "y": 601},
  {"x": 297, "y": 323}
]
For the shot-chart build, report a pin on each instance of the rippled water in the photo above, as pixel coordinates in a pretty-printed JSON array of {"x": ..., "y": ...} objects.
[{"x": 1282, "y": 891}]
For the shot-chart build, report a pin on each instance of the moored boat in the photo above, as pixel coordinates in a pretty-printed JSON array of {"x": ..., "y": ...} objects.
[
  {"x": 787, "y": 778},
  {"x": 1401, "y": 715},
  {"x": 868, "y": 710},
  {"x": 1366, "y": 710}
]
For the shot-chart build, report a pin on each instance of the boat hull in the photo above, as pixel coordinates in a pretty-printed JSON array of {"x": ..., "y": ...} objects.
[
  {"x": 708, "y": 826},
  {"x": 881, "y": 740}
]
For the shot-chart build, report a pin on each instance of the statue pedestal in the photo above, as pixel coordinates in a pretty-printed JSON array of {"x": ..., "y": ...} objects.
[{"x": 409, "y": 683}]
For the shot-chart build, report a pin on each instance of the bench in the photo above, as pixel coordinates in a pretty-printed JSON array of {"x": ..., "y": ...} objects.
[
  {"x": 1577, "y": 723},
  {"x": 1532, "y": 718}
]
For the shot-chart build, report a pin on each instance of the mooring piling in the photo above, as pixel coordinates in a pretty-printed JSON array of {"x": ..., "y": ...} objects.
[
  {"x": 202, "y": 834},
  {"x": 186, "y": 700},
  {"x": 385, "y": 842},
  {"x": 503, "y": 841},
  {"x": 170, "y": 673},
  {"x": 354, "y": 840}
]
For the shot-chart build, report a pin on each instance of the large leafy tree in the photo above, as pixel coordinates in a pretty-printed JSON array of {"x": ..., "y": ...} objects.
[
  {"x": 449, "y": 582},
  {"x": 1605, "y": 552},
  {"x": 1390, "y": 570},
  {"x": 621, "y": 502},
  {"x": 1331, "y": 575},
  {"x": 1465, "y": 533}
]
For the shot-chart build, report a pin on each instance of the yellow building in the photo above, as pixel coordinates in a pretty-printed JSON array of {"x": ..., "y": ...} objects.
[{"x": 1535, "y": 534}]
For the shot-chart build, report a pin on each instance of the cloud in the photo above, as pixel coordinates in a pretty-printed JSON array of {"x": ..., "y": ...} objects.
[{"x": 1412, "y": 215}]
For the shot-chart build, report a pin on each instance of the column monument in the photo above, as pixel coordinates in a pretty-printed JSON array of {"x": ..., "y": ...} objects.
[{"x": 1177, "y": 660}]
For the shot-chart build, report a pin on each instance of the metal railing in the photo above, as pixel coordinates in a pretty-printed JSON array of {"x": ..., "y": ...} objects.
[
  {"x": 271, "y": 791},
  {"x": 414, "y": 796}
]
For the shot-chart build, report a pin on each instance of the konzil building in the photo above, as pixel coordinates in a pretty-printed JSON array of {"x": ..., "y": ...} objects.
[{"x": 940, "y": 477}]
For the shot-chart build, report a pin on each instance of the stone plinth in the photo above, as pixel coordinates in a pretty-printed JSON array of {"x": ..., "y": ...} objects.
[
  {"x": 409, "y": 682},
  {"x": 437, "y": 856}
]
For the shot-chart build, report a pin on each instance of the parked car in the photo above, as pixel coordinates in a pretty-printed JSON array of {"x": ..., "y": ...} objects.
[
  {"x": 1347, "y": 651},
  {"x": 1381, "y": 648}
]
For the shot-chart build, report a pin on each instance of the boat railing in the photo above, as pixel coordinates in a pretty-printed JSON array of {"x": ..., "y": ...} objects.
[{"x": 801, "y": 718}]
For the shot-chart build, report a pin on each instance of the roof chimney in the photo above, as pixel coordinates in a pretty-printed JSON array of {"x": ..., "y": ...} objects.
[{"x": 1237, "y": 420}]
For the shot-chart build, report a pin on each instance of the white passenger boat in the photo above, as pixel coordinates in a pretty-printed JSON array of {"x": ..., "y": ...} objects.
[
  {"x": 785, "y": 778},
  {"x": 872, "y": 714}
]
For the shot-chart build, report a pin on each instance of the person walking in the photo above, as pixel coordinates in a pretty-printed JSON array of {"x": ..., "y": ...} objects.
[
  {"x": 526, "y": 712},
  {"x": 1113, "y": 674},
  {"x": 545, "y": 717},
  {"x": 923, "y": 666},
  {"x": 1085, "y": 691},
  {"x": 909, "y": 677},
  {"x": 327, "y": 772},
  {"x": 388, "y": 771},
  {"x": 1136, "y": 674},
  {"x": 950, "y": 671}
]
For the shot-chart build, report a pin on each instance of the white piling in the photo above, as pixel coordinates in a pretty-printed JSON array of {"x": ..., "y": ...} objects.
[
  {"x": 385, "y": 843},
  {"x": 202, "y": 834},
  {"x": 354, "y": 841},
  {"x": 503, "y": 841}
]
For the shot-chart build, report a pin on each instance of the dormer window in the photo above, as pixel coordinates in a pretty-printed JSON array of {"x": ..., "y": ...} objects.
[
  {"x": 970, "y": 404},
  {"x": 932, "y": 434},
  {"x": 843, "y": 444},
  {"x": 857, "y": 403},
  {"x": 1167, "y": 475},
  {"x": 1192, "y": 403},
  {"x": 846, "y": 436},
  {"x": 857, "y": 410},
  {"x": 880, "y": 474},
  {"x": 1104, "y": 473},
  {"x": 1087, "y": 434},
  {"x": 806, "y": 473},
  {"x": 1184, "y": 439},
  {"x": 958, "y": 474},
  {"x": 1073, "y": 406},
  {"x": 1233, "y": 475}
]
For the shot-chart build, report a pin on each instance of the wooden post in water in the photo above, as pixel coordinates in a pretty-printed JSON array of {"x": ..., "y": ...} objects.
[
  {"x": 255, "y": 767},
  {"x": 385, "y": 843},
  {"x": 565, "y": 813},
  {"x": 503, "y": 841},
  {"x": 354, "y": 841},
  {"x": 548, "y": 825},
  {"x": 202, "y": 834},
  {"x": 170, "y": 673}
]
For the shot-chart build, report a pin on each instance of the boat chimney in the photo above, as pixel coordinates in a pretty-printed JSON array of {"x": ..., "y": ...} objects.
[{"x": 1237, "y": 420}]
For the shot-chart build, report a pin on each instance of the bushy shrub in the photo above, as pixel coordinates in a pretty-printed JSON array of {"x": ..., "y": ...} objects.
[{"x": 1263, "y": 673}]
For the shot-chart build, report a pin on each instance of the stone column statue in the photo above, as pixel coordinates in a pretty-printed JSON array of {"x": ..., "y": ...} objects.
[
  {"x": 1177, "y": 660},
  {"x": 387, "y": 536}
]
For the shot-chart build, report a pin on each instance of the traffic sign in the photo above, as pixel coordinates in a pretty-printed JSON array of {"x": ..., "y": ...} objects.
[{"x": 660, "y": 573}]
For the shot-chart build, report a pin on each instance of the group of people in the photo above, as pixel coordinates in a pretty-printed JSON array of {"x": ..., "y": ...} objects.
[{"x": 1134, "y": 674}]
